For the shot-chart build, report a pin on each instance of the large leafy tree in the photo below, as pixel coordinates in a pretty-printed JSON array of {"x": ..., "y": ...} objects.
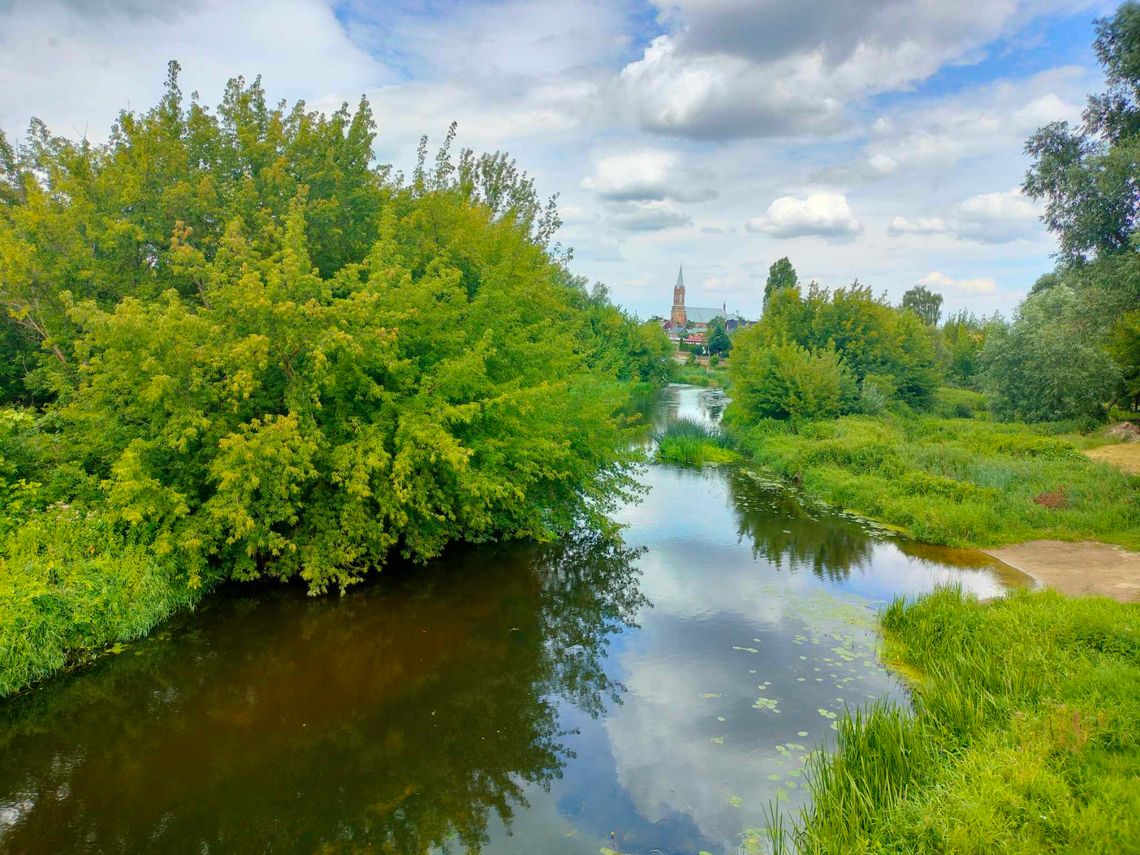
[
  {"x": 269, "y": 356},
  {"x": 1087, "y": 177},
  {"x": 1045, "y": 365},
  {"x": 925, "y": 303},
  {"x": 781, "y": 275}
]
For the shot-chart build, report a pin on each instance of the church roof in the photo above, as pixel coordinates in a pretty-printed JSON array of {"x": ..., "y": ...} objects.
[{"x": 703, "y": 314}]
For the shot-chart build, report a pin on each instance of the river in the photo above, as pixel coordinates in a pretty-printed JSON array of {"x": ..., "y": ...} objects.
[{"x": 645, "y": 698}]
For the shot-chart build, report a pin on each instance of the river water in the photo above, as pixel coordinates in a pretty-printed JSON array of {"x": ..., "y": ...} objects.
[{"x": 645, "y": 698}]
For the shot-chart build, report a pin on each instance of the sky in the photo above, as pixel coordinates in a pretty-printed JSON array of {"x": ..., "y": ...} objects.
[{"x": 878, "y": 140}]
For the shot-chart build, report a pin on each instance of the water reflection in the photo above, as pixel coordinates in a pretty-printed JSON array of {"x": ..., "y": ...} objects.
[
  {"x": 474, "y": 705},
  {"x": 400, "y": 718}
]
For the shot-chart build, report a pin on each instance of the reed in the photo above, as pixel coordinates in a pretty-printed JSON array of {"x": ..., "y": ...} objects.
[{"x": 1023, "y": 736}]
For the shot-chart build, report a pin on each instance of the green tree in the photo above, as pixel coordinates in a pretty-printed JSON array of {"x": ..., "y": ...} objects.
[
  {"x": 924, "y": 303},
  {"x": 1045, "y": 366},
  {"x": 718, "y": 341},
  {"x": 271, "y": 357},
  {"x": 962, "y": 339},
  {"x": 787, "y": 381},
  {"x": 1086, "y": 175},
  {"x": 781, "y": 275}
]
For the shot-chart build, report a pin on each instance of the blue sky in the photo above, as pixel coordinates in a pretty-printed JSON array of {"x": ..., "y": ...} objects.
[{"x": 871, "y": 139}]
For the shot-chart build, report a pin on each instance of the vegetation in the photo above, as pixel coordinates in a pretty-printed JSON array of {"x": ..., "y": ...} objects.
[
  {"x": 885, "y": 353},
  {"x": 781, "y": 275},
  {"x": 1048, "y": 364},
  {"x": 954, "y": 481},
  {"x": 691, "y": 443},
  {"x": 247, "y": 350},
  {"x": 924, "y": 303},
  {"x": 695, "y": 374},
  {"x": 1023, "y": 737}
]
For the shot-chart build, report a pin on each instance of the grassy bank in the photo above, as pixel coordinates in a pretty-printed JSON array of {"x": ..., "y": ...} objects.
[
  {"x": 691, "y": 443},
  {"x": 954, "y": 481},
  {"x": 702, "y": 375},
  {"x": 70, "y": 587},
  {"x": 1023, "y": 737}
]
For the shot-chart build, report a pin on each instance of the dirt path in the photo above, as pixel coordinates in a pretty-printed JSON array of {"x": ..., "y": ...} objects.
[
  {"x": 1077, "y": 568},
  {"x": 1125, "y": 455}
]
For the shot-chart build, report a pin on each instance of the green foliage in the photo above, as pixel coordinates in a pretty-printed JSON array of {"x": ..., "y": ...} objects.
[
  {"x": 1022, "y": 740},
  {"x": 691, "y": 443},
  {"x": 257, "y": 353},
  {"x": 952, "y": 403},
  {"x": 869, "y": 336},
  {"x": 961, "y": 482},
  {"x": 1086, "y": 175},
  {"x": 781, "y": 276},
  {"x": 924, "y": 303},
  {"x": 786, "y": 381},
  {"x": 1124, "y": 348},
  {"x": 72, "y": 582},
  {"x": 1048, "y": 364},
  {"x": 718, "y": 342},
  {"x": 962, "y": 338}
]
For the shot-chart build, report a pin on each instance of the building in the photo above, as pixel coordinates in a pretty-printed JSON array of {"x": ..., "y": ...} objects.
[{"x": 690, "y": 323}]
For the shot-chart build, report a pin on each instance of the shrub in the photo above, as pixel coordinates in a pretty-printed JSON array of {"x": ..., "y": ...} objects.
[
  {"x": 951, "y": 403},
  {"x": 1047, "y": 365},
  {"x": 787, "y": 381}
]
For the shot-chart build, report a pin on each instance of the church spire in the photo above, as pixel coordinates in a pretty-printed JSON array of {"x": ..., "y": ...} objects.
[
  {"x": 678, "y": 317},
  {"x": 680, "y": 276}
]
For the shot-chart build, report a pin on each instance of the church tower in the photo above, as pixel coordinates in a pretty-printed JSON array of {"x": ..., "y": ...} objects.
[{"x": 677, "y": 317}]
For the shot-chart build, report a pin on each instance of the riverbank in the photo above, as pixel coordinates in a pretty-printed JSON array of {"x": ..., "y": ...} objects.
[
  {"x": 1023, "y": 735},
  {"x": 1077, "y": 569},
  {"x": 953, "y": 481}
]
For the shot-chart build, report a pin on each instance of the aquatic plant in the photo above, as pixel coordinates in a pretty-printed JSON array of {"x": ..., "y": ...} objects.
[{"x": 1022, "y": 738}]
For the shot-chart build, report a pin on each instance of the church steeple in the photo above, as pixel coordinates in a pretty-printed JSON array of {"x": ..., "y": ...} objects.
[{"x": 678, "y": 316}]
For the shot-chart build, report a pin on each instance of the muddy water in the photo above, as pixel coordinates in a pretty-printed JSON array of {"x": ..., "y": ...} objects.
[{"x": 651, "y": 697}]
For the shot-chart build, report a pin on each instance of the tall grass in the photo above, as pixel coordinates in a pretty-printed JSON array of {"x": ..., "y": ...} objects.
[
  {"x": 70, "y": 585},
  {"x": 960, "y": 482},
  {"x": 688, "y": 442},
  {"x": 1023, "y": 736}
]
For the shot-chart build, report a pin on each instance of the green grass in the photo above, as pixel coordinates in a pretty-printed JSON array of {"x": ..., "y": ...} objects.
[
  {"x": 70, "y": 587},
  {"x": 691, "y": 443},
  {"x": 1023, "y": 737},
  {"x": 961, "y": 482},
  {"x": 700, "y": 375}
]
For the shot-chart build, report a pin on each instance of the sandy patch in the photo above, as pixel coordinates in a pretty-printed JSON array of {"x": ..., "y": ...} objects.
[
  {"x": 1077, "y": 568},
  {"x": 1125, "y": 455}
]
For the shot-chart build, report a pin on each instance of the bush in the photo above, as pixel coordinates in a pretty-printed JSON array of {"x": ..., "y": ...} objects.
[
  {"x": 1047, "y": 365},
  {"x": 951, "y": 403},
  {"x": 786, "y": 381},
  {"x": 71, "y": 583}
]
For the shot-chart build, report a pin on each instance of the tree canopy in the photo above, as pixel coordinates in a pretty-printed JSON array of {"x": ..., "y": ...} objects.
[
  {"x": 924, "y": 303},
  {"x": 260, "y": 352},
  {"x": 780, "y": 275}
]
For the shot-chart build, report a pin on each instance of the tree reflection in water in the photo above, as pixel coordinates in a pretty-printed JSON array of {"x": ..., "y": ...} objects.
[
  {"x": 398, "y": 718},
  {"x": 785, "y": 534}
]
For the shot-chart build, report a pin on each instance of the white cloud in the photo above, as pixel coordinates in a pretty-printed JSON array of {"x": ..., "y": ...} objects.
[
  {"x": 985, "y": 218},
  {"x": 90, "y": 60},
  {"x": 648, "y": 216},
  {"x": 998, "y": 217},
  {"x": 936, "y": 281},
  {"x": 737, "y": 68},
  {"x": 920, "y": 226},
  {"x": 648, "y": 174},
  {"x": 822, "y": 214}
]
